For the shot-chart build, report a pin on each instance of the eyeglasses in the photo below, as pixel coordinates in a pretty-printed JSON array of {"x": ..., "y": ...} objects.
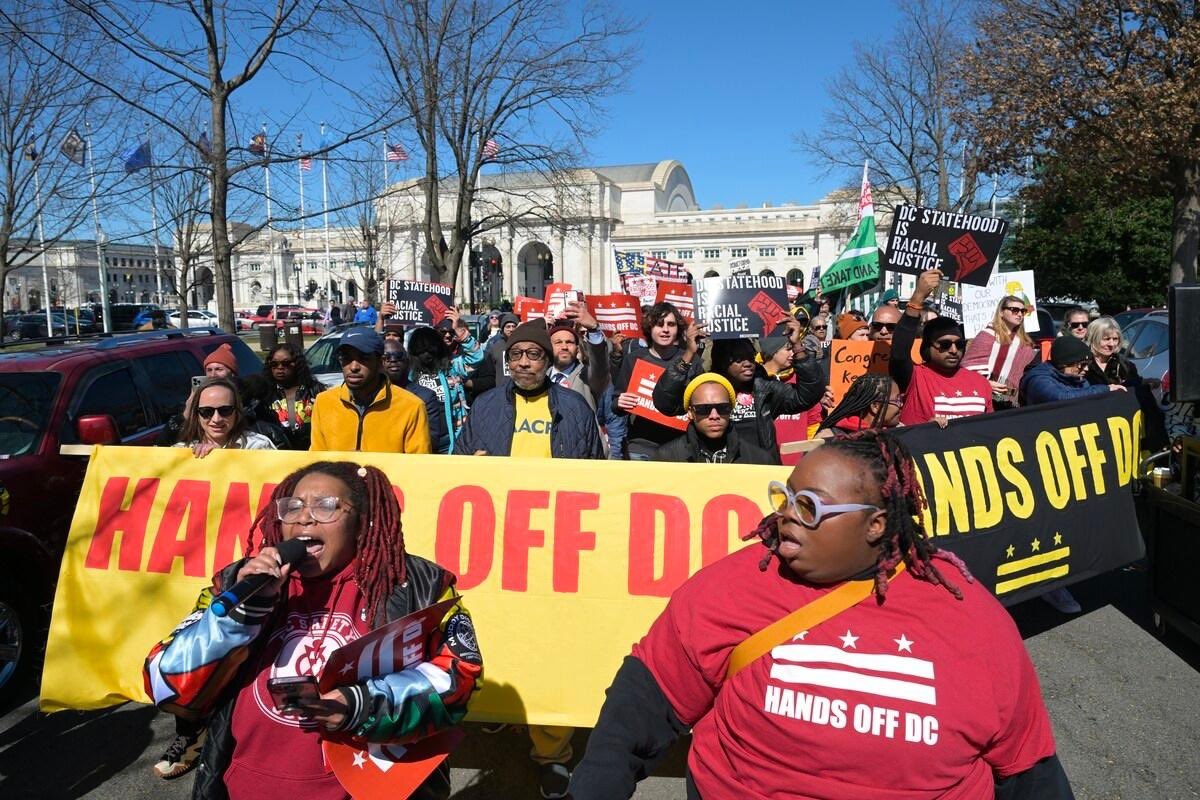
[
  {"x": 206, "y": 412},
  {"x": 534, "y": 354},
  {"x": 702, "y": 410},
  {"x": 1077, "y": 324},
  {"x": 883, "y": 326},
  {"x": 285, "y": 364},
  {"x": 1016, "y": 309},
  {"x": 321, "y": 509},
  {"x": 943, "y": 345},
  {"x": 807, "y": 507},
  {"x": 897, "y": 401},
  {"x": 820, "y": 327}
]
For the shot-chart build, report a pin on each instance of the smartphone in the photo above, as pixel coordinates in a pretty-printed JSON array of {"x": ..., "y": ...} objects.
[
  {"x": 295, "y": 694},
  {"x": 197, "y": 380}
]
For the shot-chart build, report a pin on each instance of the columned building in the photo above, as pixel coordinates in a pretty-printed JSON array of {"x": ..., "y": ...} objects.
[{"x": 131, "y": 275}]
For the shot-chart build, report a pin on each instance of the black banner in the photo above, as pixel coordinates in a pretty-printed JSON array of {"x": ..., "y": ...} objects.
[
  {"x": 963, "y": 246},
  {"x": 1035, "y": 498},
  {"x": 741, "y": 306},
  {"x": 418, "y": 302}
]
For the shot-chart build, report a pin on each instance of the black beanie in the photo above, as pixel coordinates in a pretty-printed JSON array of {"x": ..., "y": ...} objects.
[
  {"x": 935, "y": 329},
  {"x": 533, "y": 332},
  {"x": 1068, "y": 350}
]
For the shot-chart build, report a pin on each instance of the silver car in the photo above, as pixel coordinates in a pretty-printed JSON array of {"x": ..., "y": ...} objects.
[{"x": 1145, "y": 343}]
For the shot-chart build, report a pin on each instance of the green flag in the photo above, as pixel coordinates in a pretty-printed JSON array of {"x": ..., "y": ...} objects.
[{"x": 859, "y": 262}]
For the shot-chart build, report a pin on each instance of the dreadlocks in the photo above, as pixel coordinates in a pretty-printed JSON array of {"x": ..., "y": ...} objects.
[
  {"x": 379, "y": 541},
  {"x": 890, "y": 464},
  {"x": 862, "y": 394}
]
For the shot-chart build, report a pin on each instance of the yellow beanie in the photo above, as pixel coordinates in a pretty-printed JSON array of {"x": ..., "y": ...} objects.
[{"x": 708, "y": 377}]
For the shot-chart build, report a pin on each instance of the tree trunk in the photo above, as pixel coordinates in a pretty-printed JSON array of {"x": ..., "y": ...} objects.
[
  {"x": 222, "y": 270},
  {"x": 1185, "y": 239}
]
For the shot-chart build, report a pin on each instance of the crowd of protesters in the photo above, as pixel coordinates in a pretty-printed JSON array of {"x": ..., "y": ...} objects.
[{"x": 559, "y": 388}]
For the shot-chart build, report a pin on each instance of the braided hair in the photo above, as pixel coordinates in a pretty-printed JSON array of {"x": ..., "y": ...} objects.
[
  {"x": 862, "y": 394},
  {"x": 888, "y": 461},
  {"x": 379, "y": 563}
]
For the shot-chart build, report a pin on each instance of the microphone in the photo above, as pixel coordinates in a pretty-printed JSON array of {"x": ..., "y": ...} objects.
[{"x": 291, "y": 553}]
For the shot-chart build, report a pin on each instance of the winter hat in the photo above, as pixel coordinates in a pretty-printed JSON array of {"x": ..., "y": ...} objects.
[
  {"x": 222, "y": 355},
  {"x": 888, "y": 296},
  {"x": 934, "y": 330},
  {"x": 567, "y": 327},
  {"x": 533, "y": 332},
  {"x": 508, "y": 317},
  {"x": 770, "y": 345},
  {"x": 708, "y": 377},
  {"x": 1068, "y": 350},
  {"x": 847, "y": 324}
]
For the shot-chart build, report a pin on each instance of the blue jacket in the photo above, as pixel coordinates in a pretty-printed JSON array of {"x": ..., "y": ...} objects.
[
  {"x": 1044, "y": 383},
  {"x": 489, "y": 426},
  {"x": 367, "y": 315}
]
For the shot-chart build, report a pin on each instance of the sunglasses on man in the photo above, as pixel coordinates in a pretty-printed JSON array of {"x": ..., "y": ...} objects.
[
  {"x": 704, "y": 410},
  {"x": 945, "y": 345},
  {"x": 880, "y": 327},
  {"x": 1077, "y": 324}
]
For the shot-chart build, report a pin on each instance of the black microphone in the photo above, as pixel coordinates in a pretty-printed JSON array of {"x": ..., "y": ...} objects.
[{"x": 291, "y": 553}]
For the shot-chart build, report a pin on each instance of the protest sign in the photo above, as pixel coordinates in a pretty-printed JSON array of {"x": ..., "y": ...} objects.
[
  {"x": 741, "y": 306},
  {"x": 1031, "y": 499},
  {"x": 642, "y": 381},
  {"x": 963, "y": 246},
  {"x": 533, "y": 310},
  {"x": 739, "y": 266},
  {"x": 950, "y": 304},
  {"x": 979, "y": 302},
  {"x": 643, "y": 287},
  {"x": 617, "y": 313},
  {"x": 558, "y": 295},
  {"x": 521, "y": 303},
  {"x": 419, "y": 302},
  {"x": 850, "y": 360},
  {"x": 679, "y": 295}
]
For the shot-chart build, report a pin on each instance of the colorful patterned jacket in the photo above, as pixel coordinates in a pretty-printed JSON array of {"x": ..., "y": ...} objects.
[{"x": 199, "y": 669}]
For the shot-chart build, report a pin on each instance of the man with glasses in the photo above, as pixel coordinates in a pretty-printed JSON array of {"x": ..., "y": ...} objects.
[
  {"x": 368, "y": 413},
  {"x": 709, "y": 438},
  {"x": 884, "y": 322},
  {"x": 939, "y": 389},
  {"x": 1075, "y": 322},
  {"x": 1061, "y": 378}
]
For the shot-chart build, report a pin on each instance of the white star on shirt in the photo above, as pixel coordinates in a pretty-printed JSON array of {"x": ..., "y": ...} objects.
[
  {"x": 347, "y": 669},
  {"x": 903, "y": 644},
  {"x": 958, "y": 393},
  {"x": 360, "y": 760},
  {"x": 800, "y": 636},
  {"x": 849, "y": 640}
]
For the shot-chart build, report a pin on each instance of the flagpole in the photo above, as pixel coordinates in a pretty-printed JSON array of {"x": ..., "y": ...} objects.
[
  {"x": 388, "y": 213},
  {"x": 270, "y": 235},
  {"x": 154, "y": 223},
  {"x": 102, "y": 272},
  {"x": 325, "y": 210},
  {"x": 37, "y": 190},
  {"x": 303, "y": 240}
]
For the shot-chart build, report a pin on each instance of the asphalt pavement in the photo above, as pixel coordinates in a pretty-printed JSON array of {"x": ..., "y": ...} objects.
[{"x": 1125, "y": 707}]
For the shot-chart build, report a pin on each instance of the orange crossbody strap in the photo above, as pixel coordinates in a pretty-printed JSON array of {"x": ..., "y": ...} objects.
[{"x": 807, "y": 617}]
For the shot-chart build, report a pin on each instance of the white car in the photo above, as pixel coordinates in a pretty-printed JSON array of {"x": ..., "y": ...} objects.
[{"x": 196, "y": 319}]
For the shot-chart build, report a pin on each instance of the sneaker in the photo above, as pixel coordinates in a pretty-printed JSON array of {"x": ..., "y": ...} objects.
[
  {"x": 1062, "y": 600},
  {"x": 554, "y": 780},
  {"x": 180, "y": 757}
]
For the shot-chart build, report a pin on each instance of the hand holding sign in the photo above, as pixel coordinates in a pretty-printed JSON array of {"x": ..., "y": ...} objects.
[{"x": 963, "y": 246}]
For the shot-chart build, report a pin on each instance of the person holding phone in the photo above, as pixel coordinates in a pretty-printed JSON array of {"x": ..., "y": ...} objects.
[{"x": 356, "y": 576}]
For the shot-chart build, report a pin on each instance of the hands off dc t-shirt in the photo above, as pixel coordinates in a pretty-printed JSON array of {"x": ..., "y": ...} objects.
[{"x": 925, "y": 696}]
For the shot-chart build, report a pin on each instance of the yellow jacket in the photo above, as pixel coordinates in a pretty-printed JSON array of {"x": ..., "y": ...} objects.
[{"x": 395, "y": 422}]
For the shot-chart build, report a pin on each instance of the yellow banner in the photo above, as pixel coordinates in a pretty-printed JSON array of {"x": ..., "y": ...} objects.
[{"x": 564, "y": 564}]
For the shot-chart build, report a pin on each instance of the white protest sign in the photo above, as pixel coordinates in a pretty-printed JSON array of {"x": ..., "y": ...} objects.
[{"x": 979, "y": 302}]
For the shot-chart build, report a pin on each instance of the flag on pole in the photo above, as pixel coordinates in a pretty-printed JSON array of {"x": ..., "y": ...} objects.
[
  {"x": 673, "y": 271},
  {"x": 396, "y": 152},
  {"x": 491, "y": 149},
  {"x": 859, "y": 262},
  {"x": 306, "y": 164},
  {"x": 136, "y": 156},
  {"x": 203, "y": 145},
  {"x": 74, "y": 148},
  {"x": 31, "y": 152},
  {"x": 258, "y": 144}
]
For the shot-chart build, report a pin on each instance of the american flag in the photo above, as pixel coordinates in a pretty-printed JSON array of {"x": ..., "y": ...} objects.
[
  {"x": 629, "y": 264},
  {"x": 396, "y": 152},
  {"x": 491, "y": 149},
  {"x": 667, "y": 270},
  {"x": 306, "y": 164}
]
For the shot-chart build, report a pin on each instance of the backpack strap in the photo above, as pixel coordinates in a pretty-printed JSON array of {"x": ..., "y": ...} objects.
[{"x": 807, "y": 617}]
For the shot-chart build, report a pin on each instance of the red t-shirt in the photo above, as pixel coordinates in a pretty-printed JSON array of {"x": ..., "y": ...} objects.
[
  {"x": 277, "y": 756},
  {"x": 924, "y": 696},
  {"x": 932, "y": 393}
]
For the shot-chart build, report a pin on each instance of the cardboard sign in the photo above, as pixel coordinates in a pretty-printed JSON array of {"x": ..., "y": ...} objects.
[
  {"x": 558, "y": 295},
  {"x": 963, "y": 246},
  {"x": 850, "y": 360},
  {"x": 741, "y": 306},
  {"x": 387, "y": 770},
  {"x": 420, "y": 303},
  {"x": 979, "y": 302},
  {"x": 680, "y": 295},
  {"x": 642, "y": 381},
  {"x": 617, "y": 313},
  {"x": 643, "y": 287}
]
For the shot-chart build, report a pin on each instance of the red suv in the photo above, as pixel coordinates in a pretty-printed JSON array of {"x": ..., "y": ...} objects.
[{"x": 108, "y": 390}]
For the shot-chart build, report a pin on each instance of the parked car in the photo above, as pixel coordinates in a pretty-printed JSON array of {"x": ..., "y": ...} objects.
[
  {"x": 1127, "y": 318},
  {"x": 1058, "y": 307},
  {"x": 33, "y": 325},
  {"x": 1146, "y": 344},
  {"x": 309, "y": 318},
  {"x": 126, "y": 316},
  {"x": 196, "y": 319},
  {"x": 106, "y": 390}
]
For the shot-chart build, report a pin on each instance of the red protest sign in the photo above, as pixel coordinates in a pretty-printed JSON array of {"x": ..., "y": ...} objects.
[
  {"x": 617, "y": 313},
  {"x": 680, "y": 295},
  {"x": 533, "y": 310},
  {"x": 520, "y": 303},
  {"x": 642, "y": 381}
]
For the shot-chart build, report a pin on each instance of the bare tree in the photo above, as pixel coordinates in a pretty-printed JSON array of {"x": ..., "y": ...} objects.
[
  {"x": 513, "y": 83},
  {"x": 40, "y": 103},
  {"x": 893, "y": 107}
]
